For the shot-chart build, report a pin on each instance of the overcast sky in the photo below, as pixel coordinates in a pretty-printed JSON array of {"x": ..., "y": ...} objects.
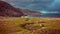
[{"x": 36, "y": 4}]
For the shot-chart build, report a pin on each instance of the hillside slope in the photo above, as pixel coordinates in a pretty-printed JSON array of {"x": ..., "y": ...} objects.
[{"x": 7, "y": 10}]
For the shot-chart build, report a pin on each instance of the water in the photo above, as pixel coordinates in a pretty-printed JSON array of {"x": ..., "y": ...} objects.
[{"x": 51, "y": 15}]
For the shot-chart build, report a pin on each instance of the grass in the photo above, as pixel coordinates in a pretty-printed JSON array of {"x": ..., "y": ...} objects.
[{"x": 13, "y": 25}]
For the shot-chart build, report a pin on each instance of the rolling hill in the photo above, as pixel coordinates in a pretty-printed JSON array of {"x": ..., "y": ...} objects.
[{"x": 7, "y": 10}]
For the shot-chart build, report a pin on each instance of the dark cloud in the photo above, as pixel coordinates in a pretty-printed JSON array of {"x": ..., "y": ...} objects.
[{"x": 51, "y": 5}]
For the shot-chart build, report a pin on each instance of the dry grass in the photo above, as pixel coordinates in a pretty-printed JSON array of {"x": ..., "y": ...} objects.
[{"x": 15, "y": 25}]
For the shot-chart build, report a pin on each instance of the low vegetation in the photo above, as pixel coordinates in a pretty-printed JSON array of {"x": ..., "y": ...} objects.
[{"x": 13, "y": 25}]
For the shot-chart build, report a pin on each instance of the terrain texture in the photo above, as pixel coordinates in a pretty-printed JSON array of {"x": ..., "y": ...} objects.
[{"x": 13, "y": 25}]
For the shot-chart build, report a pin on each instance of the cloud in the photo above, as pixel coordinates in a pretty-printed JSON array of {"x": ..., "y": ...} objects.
[
  {"x": 36, "y": 4},
  {"x": 56, "y": 5}
]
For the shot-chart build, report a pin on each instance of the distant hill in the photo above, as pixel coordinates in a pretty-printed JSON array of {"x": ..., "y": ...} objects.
[
  {"x": 7, "y": 10},
  {"x": 29, "y": 12}
]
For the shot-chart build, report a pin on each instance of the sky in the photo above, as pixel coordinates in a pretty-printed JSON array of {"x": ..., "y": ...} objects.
[
  {"x": 36, "y": 4},
  {"x": 44, "y": 6}
]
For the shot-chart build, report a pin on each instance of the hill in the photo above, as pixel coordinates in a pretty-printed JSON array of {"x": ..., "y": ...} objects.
[{"x": 8, "y": 10}]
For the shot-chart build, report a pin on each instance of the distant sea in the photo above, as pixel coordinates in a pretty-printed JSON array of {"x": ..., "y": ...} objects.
[
  {"x": 48, "y": 16},
  {"x": 51, "y": 15}
]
